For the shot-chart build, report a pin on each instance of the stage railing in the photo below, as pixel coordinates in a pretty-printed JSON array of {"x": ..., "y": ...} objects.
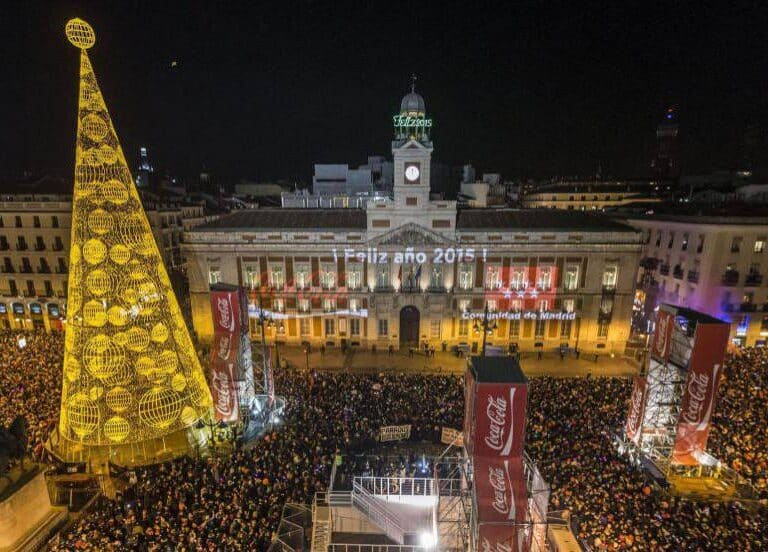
[
  {"x": 377, "y": 513},
  {"x": 397, "y": 486},
  {"x": 376, "y": 548}
]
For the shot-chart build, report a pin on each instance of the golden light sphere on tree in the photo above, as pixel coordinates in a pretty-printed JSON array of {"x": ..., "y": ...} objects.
[
  {"x": 94, "y": 127},
  {"x": 80, "y": 33},
  {"x": 94, "y": 251},
  {"x": 159, "y": 407},
  {"x": 119, "y": 399},
  {"x": 100, "y": 222},
  {"x": 117, "y": 429},
  {"x": 82, "y": 415}
]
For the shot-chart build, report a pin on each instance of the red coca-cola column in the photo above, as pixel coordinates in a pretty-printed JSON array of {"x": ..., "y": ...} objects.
[{"x": 496, "y": 394}]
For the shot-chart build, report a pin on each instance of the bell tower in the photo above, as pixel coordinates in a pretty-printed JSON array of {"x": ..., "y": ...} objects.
[{"x": 411, "y": 152}]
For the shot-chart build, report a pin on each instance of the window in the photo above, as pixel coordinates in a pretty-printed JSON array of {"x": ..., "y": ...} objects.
[
  {"x": 759, "y": 245},
  {"x": 606, "y": 306},
  {"x": 436, "y": 277},
  {"x": 544, "y": 305},
  {"x": 330, "y": 326},
  {"x": 610, "y": 275},
  {"x": 540, "y": 328},
  {"x": 684, "y": 245},
  {"x": 354, "y": 326},
  {"x": 602, "y": 328},
  {"x": 569, "y": 305},
  {"x": 516, "y": 305},
  {"x": 514, "y": 328},
  {"x": 700, "y": 247},
  {"x": 565, "y": 329},
  {"x": 465, "y": 276},
  {"x": 303, "y": 281},
  {"x": 671, "y": 240},
  {"x": 303, "y": 306},
  {"x": 214, "y": 275},
  {"x": 544, "y": 279},
  {"x": 383, "y": 327},
  {"x": 571, "y": 278},
  {"x": 36, "y": 221},
  {"x": 434, "y": 329},
  {"x": 493, "y": 277},
  {"x": 18, "y": 221},
  {"x": 517, "y": 279},
  {"x": 741, "y": 329},
  {"x": 278, "y": 305},
  {"x": 382, "y": 276},
  {"x": 251, "y": 276},
  {"x": 354, "y": 278},
  {"x": 276, "y": 279},
  {"x": 736, "y": 244},
  {"x": 328, "y": 278},
  {"x": 354, "y": 305},
  {"x": 463, "y": 327},
  {"x": 54, "y": 221},
  {"x": 493, "y": 305},
  {"x": 658, "y": 238},
  {"x": 329, "y": 305},
  {"x": 464, "y": 305},
  {"x": 304, "y": 325}
]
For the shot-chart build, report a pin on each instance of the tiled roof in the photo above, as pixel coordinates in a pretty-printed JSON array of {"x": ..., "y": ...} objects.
[
  {"x": 536, "y": 220},
  {"x": 288, "y": 219}
]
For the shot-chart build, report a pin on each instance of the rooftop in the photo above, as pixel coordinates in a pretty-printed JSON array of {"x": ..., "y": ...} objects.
[
  {"x": 694, "y": 213},
  {"x": 537, "y": 220},
  {"x": 288, "y": 219},
  {"x": 497, "y": 369}
]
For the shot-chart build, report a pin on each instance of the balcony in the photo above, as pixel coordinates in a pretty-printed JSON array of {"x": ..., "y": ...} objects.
[
  {"x": 678, "y": 272},
  {"x": 747, "y": 307},
  {"x": 30, "y": 293},
  {"x": 61, "y": 270},
  {"x": 21, "y": 247},
  {"x": 410, "y": 288},
  {"x": 58, "y": 246},
  {"x": 383, "y": 289},
  {"x": 61, "y": 294},
  {"x": 693, "y": 276},
  {"x": 664, "y": 269},
  {"x": 44, "y": 270},
  {"x": 328, "y": 287},
  {"x": 8, "y": 269},
  {"x": 753, "y": 279},
  {"x": 5, "y": 246},
  {"x": 25, "y": 269},
  {"x": 436, "y": 289},
  {"x": 609, "y": 289},
  {"x": 39, "y": 247},
  {"x": 603, "y": 316},
  {"x": 730, "y": 278}
]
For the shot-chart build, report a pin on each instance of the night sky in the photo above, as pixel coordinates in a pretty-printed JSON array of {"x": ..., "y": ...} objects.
[{"x": 267, "y": 89}]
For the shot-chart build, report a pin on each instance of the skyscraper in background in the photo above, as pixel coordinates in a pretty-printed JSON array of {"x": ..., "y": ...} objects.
[
  {"x": 666, "y": 164},
  {"x": 144, "y": 170}
]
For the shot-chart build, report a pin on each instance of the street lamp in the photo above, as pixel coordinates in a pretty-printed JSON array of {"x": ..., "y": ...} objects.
[
  {"x": 306, "y": 353},
  {"x": 486, "y": 326}
]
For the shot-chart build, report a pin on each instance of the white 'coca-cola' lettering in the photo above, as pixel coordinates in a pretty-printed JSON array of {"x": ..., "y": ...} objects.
[
  {"x": 636, "y": 406},
  {"x": 224, "y": 343},
  {"x": 697, "y": 394},
  {"x": 225, "y": 403},
  {"x": 661, "y": 334},
  {"x": 226, "y": 320},
  {"x": 496, "y": 547},
  {"x": 499, "y": 484},
  {"x": 498, "y": 411}
]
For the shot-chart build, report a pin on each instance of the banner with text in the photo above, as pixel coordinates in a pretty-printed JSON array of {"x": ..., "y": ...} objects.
[
  {"x": 499, "y": 420},
  {"x": 700, "y": 392},
  {"x": 394, "y": 433},
  {"x": 450, "y": 436},
  {"x": 662, "y": 335},
  {"x": 636, "y": 413}
]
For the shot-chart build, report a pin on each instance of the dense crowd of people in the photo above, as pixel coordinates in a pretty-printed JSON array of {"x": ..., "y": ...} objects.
[
  {"x": 30, "y": 383},
  {"x": 234, "y": 501}
]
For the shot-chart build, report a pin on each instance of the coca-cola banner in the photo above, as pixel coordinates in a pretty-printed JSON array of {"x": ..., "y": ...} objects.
[
  {"x": 225, "y": 307},
  {"x": 700, "y": 392},
  {"x": 500, "y": 491},
  {"x": 499, "y": 420},
  {"x": 636, "y": 413},
  {"x": 493, "y": 537},
  {"x": 662, "y": 335},
  {"x": 469, "y": 411},
  {"x": 223, "y": 369}
]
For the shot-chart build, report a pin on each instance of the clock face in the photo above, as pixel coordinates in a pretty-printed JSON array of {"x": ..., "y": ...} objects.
[{"x": 412, "y": 173}]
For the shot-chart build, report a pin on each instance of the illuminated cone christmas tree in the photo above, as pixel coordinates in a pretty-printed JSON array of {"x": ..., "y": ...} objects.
[{"x": 131, "y": 373}]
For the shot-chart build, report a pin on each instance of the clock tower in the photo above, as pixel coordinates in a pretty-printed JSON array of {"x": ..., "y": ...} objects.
[{"x": 411, "y": 153}]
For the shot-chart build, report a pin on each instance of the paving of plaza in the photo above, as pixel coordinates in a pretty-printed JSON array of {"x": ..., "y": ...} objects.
[{"x": 359, "y": 361}]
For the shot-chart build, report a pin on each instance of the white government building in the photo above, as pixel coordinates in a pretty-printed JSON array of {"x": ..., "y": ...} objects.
[{"x": 408, "y": 270}]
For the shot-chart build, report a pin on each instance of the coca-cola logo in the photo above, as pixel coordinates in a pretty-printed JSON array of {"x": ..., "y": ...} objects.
[
  {"x": 224, "y": 307},
  {"x": 699, "y": 390},
  {"x": 498, "y": 410},
  {"x": 496, "y": 546},
  {"x": 225, "y": 400},
  {"x": 635, "y": 410},
  {"x": 501, "y": 503},
  {"x": 661, "y": 334},
  {"x": 225, "y": 342}
]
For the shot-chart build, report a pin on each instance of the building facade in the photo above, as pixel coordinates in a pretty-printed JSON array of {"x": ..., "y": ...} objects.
[
  {"x": 590, "y": 195},
  {"x": 408, "y": 271},
  {"x": 712, "y": 264},
  {"x": 34, "y": 254}
]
